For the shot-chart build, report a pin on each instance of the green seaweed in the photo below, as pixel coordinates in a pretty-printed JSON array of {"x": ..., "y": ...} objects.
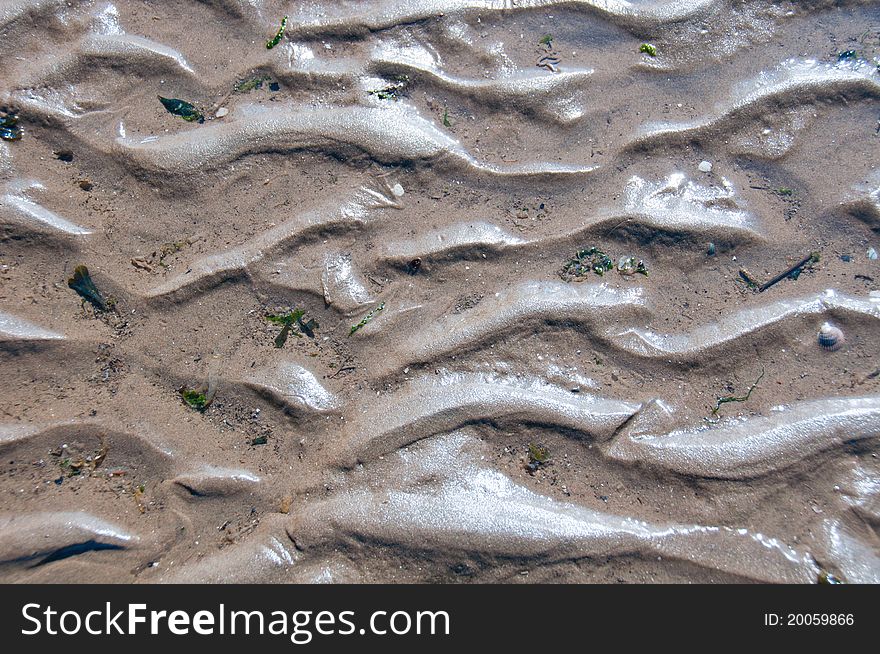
[
  {"x": 390, "y": 92},
  {"x": 82, "y": 283},
  {"x": 649, "y": 49},
  {"x": 78, "y": 463},
  {"x": 847, "y": 54},
  {"x": 288, "y": 321},
  {"x": 250, "y": 84},
  {"x": 538, "y": 456},
  {"x": 281, "y": 339},
  {"x": 286, "y": 318},
  {"x": 69, "y": 468},
  {"x": 547, "y": 40},
  {"x": 394, "y": 90},
  {"x": 259, "y": 440},
  {"x": 631, "y": 266},
  {"x": 785, "y": 191},
  {"x": 446, "y": 122},
  {"x": 366, "y": 319},
  {"x": 194, "y": 399},
  {"x": 183, "y": 109},
  {"x": 275, "y": 40},
  {"x": 735, "y": 398},
  {"x": 9, "y": 128},
  {"x": 590, "y": 259}
]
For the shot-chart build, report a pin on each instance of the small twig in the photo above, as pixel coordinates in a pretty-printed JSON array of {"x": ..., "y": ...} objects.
[
  {"x": 622, "y": 222},
  {"x": 342, "y": 370},
  {"x": 811, "y": 258}
]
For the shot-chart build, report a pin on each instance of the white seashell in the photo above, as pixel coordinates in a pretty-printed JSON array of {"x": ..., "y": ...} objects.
[
  {"x": 831, "y": 337},
  {"x": 705, "y": 167}
]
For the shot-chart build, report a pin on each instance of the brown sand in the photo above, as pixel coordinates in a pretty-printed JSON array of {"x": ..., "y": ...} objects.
[{"x": 492, "y": 422}]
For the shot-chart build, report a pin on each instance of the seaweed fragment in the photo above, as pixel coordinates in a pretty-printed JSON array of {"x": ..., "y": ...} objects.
[
  {"x": 308, "y": 328},
  {"x": 195, "y": 399},
  {"x": 9, "y": 127},
  {"x": 288, "y": 321},
  {"x": 394, "y": 90},
  {"x": 548, "y": 57},
  {"x": 735, "y": 398},
  {"x": 649, "y": 49},
  {"x": 446, "y": 122},
  {"x": 275, "y": 40},
  {"x": 366, "y": 319},
  {"x": 259, "y": 440},
  {"x": 631, "y": 266},
  {"x": 199, "y": 398},
  {"x": 250, "y": 84},
  {"x": 82, "y": 283},
  {"x": 138, "y": 494},
  {"x": 285, "y": 318},
  {"x": 845, "y": 55},
  {"x": 73, "y": 465},
  {"x": 590, "y": 259},
  {"x": 183, "y": 109},
  {"x": 281, "y": 339},
  {"x": 538, "y": 456}
]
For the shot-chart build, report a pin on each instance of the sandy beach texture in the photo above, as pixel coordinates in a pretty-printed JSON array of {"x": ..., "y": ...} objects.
[{"x": 411, "y": 191}]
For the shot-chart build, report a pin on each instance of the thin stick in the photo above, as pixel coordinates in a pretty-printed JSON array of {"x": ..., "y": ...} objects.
[{"x": 813, "y": 256}]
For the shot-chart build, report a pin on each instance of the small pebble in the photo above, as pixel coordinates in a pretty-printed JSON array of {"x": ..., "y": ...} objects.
[
  {"x": 397, "y": 189},
  {"x": 705, "y": 167},
  {"x": 872, "y": 253},
  {"x": 222, "y": 111}
]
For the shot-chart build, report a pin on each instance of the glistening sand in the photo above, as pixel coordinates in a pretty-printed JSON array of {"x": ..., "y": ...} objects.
[{"x": 425, "y": 130}]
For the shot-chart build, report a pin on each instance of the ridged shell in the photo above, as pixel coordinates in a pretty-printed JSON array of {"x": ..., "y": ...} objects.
[{"x": 831, "y": 337}]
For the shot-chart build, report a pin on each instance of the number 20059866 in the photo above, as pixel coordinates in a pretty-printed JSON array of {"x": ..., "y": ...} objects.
[{"x": 809, "y": 619}]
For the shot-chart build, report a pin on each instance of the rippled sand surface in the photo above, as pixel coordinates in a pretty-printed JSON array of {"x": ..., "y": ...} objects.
[{"x": 424, "y": 169}]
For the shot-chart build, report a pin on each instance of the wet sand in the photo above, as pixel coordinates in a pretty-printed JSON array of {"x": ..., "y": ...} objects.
[{"x": 423, "y": 170}]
